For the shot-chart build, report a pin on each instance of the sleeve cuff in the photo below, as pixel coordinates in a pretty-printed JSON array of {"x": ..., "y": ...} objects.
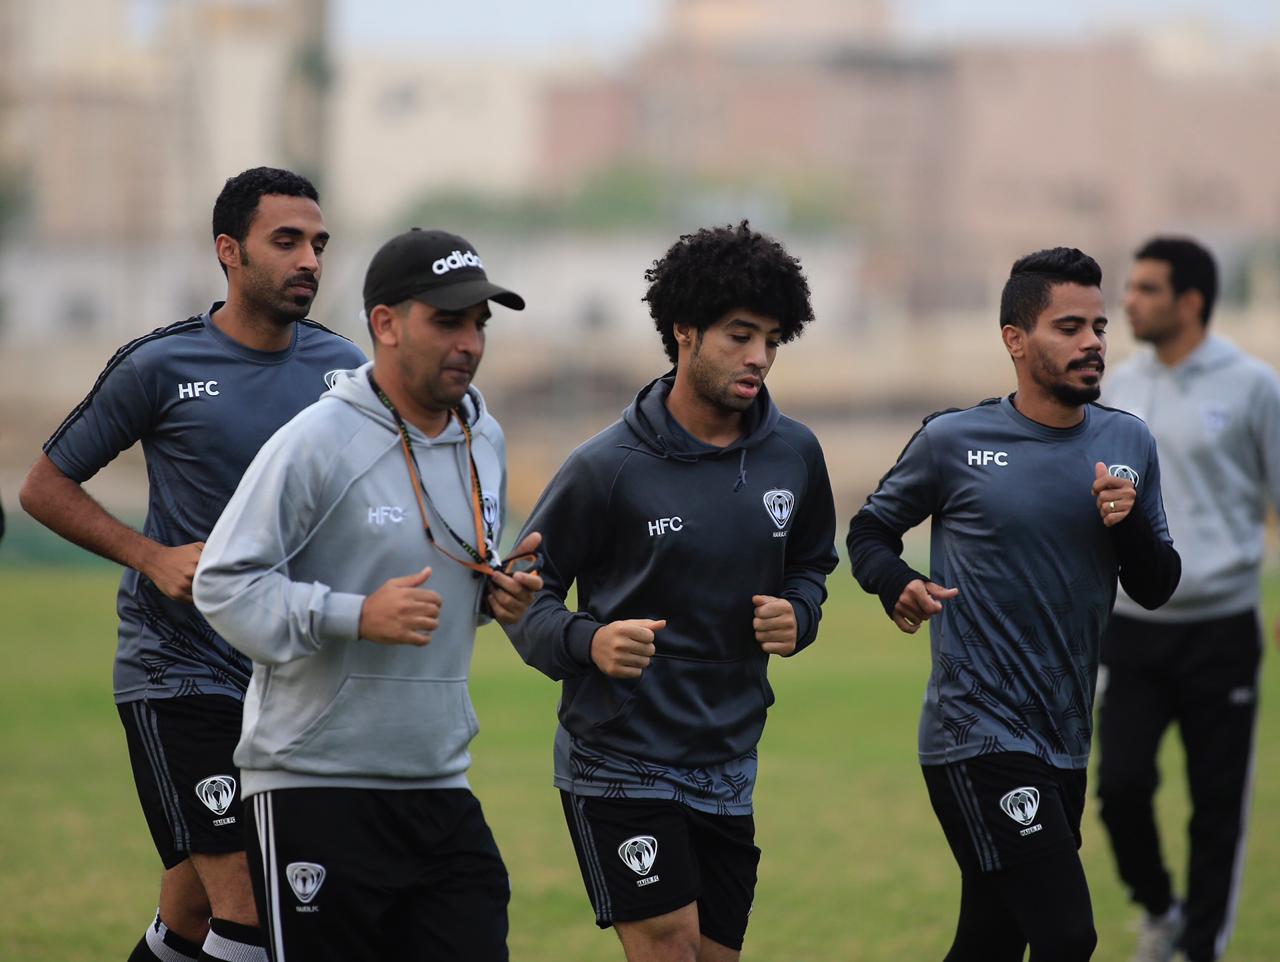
[
  {"x": 889, "y": 597},
  {"x": 577, "y": 640},
  {"x": 806, "y": 628},
  {"x": 1135, "y": 530},
  {"x": 341, "y": 618}
]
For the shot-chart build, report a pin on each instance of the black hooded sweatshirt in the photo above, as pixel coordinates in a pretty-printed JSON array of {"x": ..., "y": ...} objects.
[{"x": 651, "y": 523}]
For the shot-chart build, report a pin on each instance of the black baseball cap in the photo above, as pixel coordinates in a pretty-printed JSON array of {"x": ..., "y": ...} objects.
[{"x": 435, "y": 267}]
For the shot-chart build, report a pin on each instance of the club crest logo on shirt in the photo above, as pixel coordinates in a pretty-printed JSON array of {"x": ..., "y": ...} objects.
[
  {"x": 489, "y": 506},
  {"x": 305, "y": 878},
  {"x": 1124, "y": 473},
  {"x": 331, "y": 377},
  {"x": 779, "y": 503},
  {"x": 1021, "y": 804},
  {"x": 638, "y": 853},
  {"x": 1216, "y": 416},
  {"x": 217, "y": 793}
]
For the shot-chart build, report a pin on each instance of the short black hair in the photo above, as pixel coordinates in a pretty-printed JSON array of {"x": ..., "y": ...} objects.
[
  {"x": 1026, "y": 292},
  {"x": 237, "y": 204},
  {"x": 706, "y": 274},
  {"x": 1191, "y": 268}
]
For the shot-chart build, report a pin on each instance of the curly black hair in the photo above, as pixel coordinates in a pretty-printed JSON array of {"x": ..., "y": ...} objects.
[
  {"x": 237, "y": 204},
  {"x": 1026, "y": 292},
  {"x": 706, "y": 274}
]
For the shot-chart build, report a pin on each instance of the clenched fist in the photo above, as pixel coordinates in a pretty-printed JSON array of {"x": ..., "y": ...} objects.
[
  {"x": 401, "y": 612},
  {"x": 623, "y": 649}
]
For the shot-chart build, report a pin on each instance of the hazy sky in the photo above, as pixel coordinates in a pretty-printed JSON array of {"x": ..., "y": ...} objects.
[{"x": 607, "y": 28}]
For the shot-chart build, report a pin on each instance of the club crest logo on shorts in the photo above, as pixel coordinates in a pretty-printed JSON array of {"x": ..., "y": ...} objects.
[
  {"x": 1021, "y": 804},
  {"x": 331, "y": 377},
  {"x": 305, "y": 878},
  {"x": 779, "y": 503},
  {"x": 638, "y": 853},
  {"x": 1124, "y": 473},
  {"x": 217, "y": 792}
]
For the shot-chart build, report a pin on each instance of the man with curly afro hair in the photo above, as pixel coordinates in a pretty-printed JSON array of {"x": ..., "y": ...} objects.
[{"x": 699, "y": 529}]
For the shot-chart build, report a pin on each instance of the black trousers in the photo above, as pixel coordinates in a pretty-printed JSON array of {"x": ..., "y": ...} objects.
[
  {"x": 1022, "y": 883},
  {"x": 1204, "y": 676}
]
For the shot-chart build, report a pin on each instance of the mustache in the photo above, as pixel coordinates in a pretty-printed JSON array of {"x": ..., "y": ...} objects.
[
  {"x": 1093, "y": 357},
  {"x": 302, "y": 280}
]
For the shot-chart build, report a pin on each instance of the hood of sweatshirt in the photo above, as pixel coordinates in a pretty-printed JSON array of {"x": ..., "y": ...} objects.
[
  {"x": 1213, "y": 352},
  {"x": 353, "y": 387},
  {"x": 661, "y": 436}
]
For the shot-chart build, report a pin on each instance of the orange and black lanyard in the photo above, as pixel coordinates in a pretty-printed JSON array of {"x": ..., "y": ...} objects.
[{"x": 478, "y": 561}]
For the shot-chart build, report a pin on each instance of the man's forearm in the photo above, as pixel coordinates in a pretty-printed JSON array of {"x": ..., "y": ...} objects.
[
  {"x": 64, "y": 507},
  {"x": 1149, "y": 567},
  {"x": 875, "y": 555}
]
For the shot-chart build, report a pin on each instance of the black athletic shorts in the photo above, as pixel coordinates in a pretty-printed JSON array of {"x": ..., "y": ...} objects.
[
  {"x": 189, "y": 787},
  {"x": 365, "y": 875},
  {"x": 641, "y": 858},
  {"x": 1006, "y": 808}
]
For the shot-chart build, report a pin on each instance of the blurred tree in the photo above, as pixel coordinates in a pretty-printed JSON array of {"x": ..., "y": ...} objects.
[{"x": 628, "y": 197}]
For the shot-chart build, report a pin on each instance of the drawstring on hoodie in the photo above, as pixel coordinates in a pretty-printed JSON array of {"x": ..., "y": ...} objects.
[
  {"x": 667, "y": 453},
  {"x": 648, "y": 411}
]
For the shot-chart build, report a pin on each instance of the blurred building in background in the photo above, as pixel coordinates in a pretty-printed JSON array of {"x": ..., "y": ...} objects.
[
  {"x": 124, "y": 119},
  {"x": 947, "y": 161},
  {"x": 906, "y": 175}
]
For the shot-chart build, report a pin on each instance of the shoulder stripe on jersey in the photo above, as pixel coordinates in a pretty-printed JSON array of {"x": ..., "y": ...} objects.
[
  {"x": 1103, "y": 407},
  {"x": 192, "y": 323},
  {"x": 923, "y": 424},
  {"x": 320, "y": 327}
]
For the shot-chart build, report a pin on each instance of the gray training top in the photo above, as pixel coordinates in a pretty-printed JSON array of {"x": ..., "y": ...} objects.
[
  {"x": 202, "y": 405},
  {"x": 1016, "y": 529},
  {"x": 1216, "y": 417}
]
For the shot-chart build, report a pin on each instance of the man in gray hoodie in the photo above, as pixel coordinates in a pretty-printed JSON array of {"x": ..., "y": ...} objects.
[
  {"x": 1215, "y": 414},
  {"x": 353, "y": 565}
]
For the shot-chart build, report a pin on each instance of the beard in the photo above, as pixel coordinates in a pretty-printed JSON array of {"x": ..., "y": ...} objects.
[
  {"x": 1070, "y": 395},
  {"x": 715, "y": 387},
  {"x": 429, "y": 388},
  {"x": 280, "y": 304},
  {"x": 1155, "y": 334},
  {"x": 1075, "y": 396}
]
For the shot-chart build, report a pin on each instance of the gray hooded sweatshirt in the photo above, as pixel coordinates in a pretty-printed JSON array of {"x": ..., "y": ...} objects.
[
  {"x": 323, "y": 517},
  {"x": 1216, "y": 419}
]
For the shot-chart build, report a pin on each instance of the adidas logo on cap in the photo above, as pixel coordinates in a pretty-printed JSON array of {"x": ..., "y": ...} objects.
[{"x": 456, "y": 260}]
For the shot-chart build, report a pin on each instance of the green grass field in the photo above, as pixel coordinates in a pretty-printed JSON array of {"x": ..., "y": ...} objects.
[{"x": 855, "y": 867}]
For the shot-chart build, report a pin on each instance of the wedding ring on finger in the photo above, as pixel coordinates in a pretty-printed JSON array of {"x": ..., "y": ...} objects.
[{"x": 1111, "y": 506}]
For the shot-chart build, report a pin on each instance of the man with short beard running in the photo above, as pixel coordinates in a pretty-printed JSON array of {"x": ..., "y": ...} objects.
[
  {"x": 1038, "y": 500},
  {"x": 202, "y": 396}
]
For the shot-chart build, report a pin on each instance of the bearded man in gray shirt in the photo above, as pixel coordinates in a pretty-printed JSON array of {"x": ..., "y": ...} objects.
[
  {"x": 1215, "y": 412},
  {"x": 1038, "y": 501}
]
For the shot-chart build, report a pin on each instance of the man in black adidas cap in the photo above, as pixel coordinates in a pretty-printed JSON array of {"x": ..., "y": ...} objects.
[
  {"x": 436, "y": 268},
  {"x": 353, "y": 565}
]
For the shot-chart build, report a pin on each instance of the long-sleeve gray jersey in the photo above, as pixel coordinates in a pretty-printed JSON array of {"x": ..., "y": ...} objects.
[
  {"x": 202, "y": 405},
  {"x": 1216, "y": 417},
  {"x": 1017, "y": 530}
]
